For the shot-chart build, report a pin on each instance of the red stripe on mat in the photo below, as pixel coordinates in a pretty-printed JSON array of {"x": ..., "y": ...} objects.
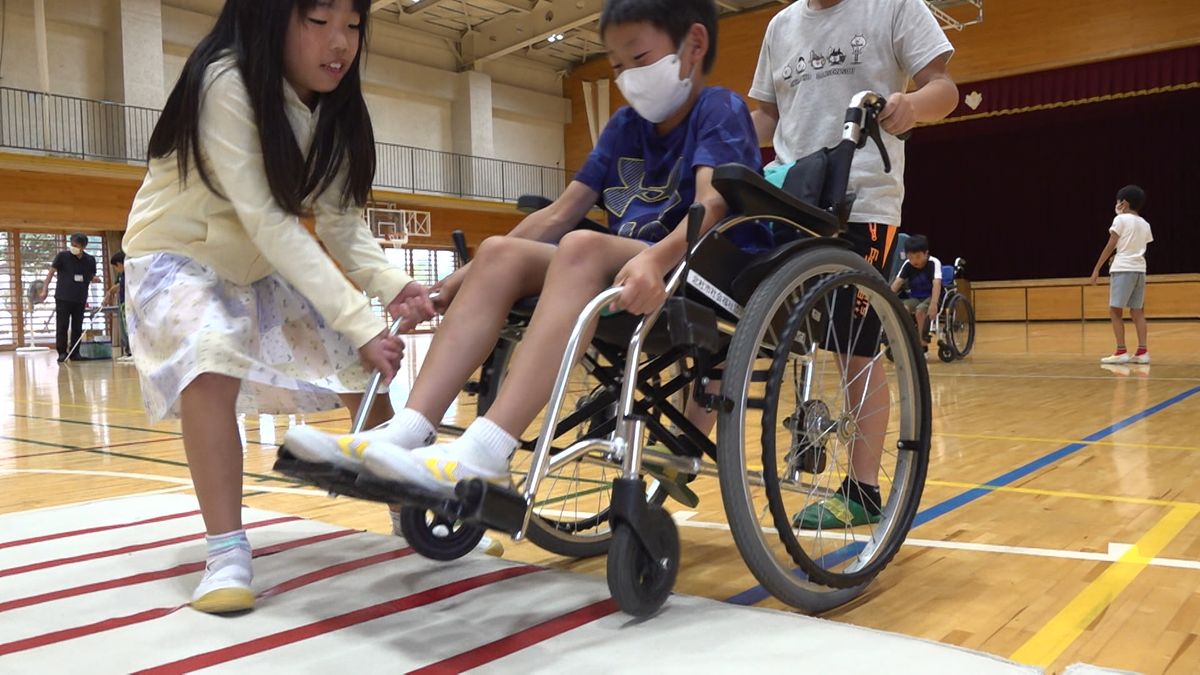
[
  {"x": 146, "y": 577},
  {"x": 501, "y": 648},
  {"x": 339, "y": 622},
  {"x": 151, "y": 614},
  {"x": 46, "y": 564},
  {"x": 102, "y": 528}
]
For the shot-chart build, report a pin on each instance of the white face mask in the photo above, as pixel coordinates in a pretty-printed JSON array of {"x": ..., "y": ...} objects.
[
  {"x": 655, "y": 91},
  {"x": 76, "y": 251}
]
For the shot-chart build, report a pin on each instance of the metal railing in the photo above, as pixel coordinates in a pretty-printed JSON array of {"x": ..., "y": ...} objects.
[{"x": 100, "y": 130}]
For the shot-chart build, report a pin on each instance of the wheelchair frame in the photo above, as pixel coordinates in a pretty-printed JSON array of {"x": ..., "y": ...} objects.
[
  {"x": 943, "y": 328},
  {"x": 644, "y": 551}
]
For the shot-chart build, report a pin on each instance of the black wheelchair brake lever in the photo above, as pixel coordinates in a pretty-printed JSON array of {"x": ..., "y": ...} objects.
[{"x": 877, "y": 136}]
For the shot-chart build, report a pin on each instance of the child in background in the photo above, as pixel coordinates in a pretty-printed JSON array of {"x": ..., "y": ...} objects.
[
  {"x": 1128, "y": 238},
  {"x": 117, "y": 292},
  {"x": 921, "y": 273}
]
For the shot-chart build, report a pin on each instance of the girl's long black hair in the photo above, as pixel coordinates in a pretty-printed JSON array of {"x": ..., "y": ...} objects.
[{"x": 255, "y": 30}]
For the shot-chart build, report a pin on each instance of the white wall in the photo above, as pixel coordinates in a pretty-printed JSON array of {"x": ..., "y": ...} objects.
[
  {"x": 75, "y": 43},
  {"x": 410, "y": 78}
]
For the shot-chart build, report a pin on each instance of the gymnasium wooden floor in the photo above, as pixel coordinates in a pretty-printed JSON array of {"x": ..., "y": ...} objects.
[{"x": 1059, "y": 522}]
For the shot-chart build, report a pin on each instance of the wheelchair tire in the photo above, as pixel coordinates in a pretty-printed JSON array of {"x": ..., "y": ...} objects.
[
  {"x": 772, "y": 560},
  {"x": 945, "y": 353},
  {"x": 639, "y": 584},
  {"x": 960, "y": 326},
  {"x": 436, "y": 537}
]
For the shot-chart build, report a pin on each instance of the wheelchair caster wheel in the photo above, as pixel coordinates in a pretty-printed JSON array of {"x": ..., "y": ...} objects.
[
  {"x": 437, "y": 537},
  {"x": 638, "y": 581},
  {"x": 945, "y": 354}
]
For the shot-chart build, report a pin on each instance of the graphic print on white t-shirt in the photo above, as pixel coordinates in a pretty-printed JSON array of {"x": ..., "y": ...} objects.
[
  {"x": 1133, "y": 232},
  {"x": 813, "y": 61}
]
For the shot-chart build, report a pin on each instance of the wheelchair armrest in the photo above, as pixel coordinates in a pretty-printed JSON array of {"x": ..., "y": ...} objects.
[
  {"x": 749, "y": 194},
  {"x": 530, "y": 203}
]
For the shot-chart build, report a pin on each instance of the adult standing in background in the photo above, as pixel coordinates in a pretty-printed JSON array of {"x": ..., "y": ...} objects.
[{"x": 77, "y": 270}]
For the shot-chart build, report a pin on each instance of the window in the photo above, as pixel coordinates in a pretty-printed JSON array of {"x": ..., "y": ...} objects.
[
  {"x": 427, "y": 266},
  {"x": 24, "y": 259}
]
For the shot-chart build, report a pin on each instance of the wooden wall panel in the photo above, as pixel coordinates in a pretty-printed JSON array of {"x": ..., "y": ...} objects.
[
  {"x": 1164, "y": 300},
  {"x": 999, "y": 304},
  {"x": 57, "y": 199},
  {"x": 1055, "y": 302},
  {"x": 1017, "y": 36}
]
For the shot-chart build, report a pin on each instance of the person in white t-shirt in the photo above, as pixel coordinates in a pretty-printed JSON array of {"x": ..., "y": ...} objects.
[
  {"x": 1128, "y": 238},
  {"x": 817, "y": 54}
]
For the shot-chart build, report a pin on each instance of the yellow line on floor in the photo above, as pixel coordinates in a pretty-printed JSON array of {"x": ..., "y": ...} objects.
[
  {"x": 1068, "y": 494},
  {"x": 1056, "y": 636},
  {"x": 1065, "y": 441}
]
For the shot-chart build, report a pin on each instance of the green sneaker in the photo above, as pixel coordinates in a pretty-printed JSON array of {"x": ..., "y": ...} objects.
[{"x": 833, "y": 512}]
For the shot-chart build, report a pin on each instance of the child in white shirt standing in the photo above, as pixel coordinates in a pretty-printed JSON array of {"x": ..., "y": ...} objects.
[{"x": 1128, "y": 238}]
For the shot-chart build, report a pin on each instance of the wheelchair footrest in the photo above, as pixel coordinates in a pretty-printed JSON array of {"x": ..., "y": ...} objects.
[
  {"x": 493, "y": 506},
  {"x": 325, "y": 476}
]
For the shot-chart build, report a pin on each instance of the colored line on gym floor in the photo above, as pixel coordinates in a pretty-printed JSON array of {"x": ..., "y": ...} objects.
[
  {"x": 1056, "y": 636},
  {"x": 68, "y": 449},
  {"x": 101, "y": 528},
  {"x": 104, "y": 425},
  {"x": 335, "y": 623},
  {"x": 1031, "y": 439},
  {"x": 758, "y": 593},
  {"x": 132, "y": 548},
  {"x": 171, "y": 572},
  {"x": 510, "y": 644},
  {"x": 1064, "y": 494},
  {"x": 158, "y": 613}
]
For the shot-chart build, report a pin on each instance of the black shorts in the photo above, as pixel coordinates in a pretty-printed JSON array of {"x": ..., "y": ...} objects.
[{"x": 856, "y": 329}]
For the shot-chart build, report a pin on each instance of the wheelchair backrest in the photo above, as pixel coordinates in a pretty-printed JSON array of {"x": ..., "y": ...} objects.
[{"x": 947, "y": 276}]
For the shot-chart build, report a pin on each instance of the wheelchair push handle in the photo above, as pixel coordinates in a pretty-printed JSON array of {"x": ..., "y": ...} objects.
[{"x": 862, "y": 123}]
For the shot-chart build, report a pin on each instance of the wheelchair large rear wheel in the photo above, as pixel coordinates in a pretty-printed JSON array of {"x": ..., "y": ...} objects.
[
  {"x": 571, "y": 508},
  {"x": 802, "y": 406},
  {"x": 960, "y": 326}
]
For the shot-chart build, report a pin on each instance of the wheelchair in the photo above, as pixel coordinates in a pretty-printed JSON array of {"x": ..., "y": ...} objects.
[
  {"x": 792, "y": 334},
  {"x": 954, "y": 323}
]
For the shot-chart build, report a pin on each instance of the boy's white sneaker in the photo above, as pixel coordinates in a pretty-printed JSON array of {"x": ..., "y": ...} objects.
[
  {"x": 1144, "y": 357},
  {"x": 1121, "y": 358},
  {"x": 437, "y": 468},
  {"x": 345, "y": 451}
]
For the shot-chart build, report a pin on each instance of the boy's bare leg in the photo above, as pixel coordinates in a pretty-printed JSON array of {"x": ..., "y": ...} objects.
[
  {"x": 921, "y": 316},
  {"x": 1139, "y": 323},
  {"x": 1118, "y": 325},
  {"x": 585, "y": 264},
  {"x": 869, "y": 398},
  {"x": 504, "y": 270}
]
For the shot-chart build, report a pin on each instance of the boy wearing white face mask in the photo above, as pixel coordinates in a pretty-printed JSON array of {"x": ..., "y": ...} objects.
[
  {"x": 653, "y": 161},
  {"x": 77, "y": 270},
  {"x": 816, "y": 55}
]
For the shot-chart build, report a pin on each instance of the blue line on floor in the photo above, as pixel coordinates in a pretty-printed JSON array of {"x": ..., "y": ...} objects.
[{"x": 758, "y": 593}]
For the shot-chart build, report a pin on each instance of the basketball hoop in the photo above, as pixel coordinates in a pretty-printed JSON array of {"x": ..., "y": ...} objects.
[{"x": 392, "y": 227}]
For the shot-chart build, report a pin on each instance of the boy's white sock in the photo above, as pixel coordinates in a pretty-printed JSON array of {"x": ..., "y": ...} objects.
[
  {"x": 485, "y": 442},
  {"x": 408, "y": 429}
]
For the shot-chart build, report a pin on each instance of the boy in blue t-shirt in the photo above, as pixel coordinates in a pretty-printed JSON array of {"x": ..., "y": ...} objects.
[{"x": 653, "y": 161}]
